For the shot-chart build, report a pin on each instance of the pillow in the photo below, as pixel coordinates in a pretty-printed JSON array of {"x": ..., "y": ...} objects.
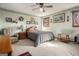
[{"x": 30, "y": 29}]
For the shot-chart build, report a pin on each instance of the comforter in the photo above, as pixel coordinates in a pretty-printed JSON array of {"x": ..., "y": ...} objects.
[{"x": 40, "y": 36}]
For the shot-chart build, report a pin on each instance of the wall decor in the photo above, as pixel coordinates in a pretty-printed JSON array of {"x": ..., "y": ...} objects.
[
  {"x": 46, "y": 22},
  {"x": 59, "y": 18},
  {"x": 51, "y": 20},
  {"x": 8, "y": 19},
  {"x": 27, "y": 22},
  {"x": 67, "y": 18},
  {"x": 32, "y": 18},
  {"x": 21, "y": 18},
  {"x": 75, "y": 18},
  {"x": 32, "y": 22},
  {"x": 14, "y": 22}
]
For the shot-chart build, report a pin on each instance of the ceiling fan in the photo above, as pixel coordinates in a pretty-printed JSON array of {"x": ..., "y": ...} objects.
[{"x": 41, "y": 6}]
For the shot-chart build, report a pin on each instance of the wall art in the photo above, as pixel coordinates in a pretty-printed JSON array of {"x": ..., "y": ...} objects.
[
  {"x": 46, "y": 22},
  {"x": 59, "y": 18},
  {"x": 8, "y": 19},
  {"x": 75, "y": 18},
  {"x": 21, "y": 18}
]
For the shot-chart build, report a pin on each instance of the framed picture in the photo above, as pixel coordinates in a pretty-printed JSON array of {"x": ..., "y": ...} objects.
[
  {"x": 32, "y": 22},
  {"x": 59, "y": 18},
  {"x": 67, "y": 18},
  {"x": 46, "y": 22},
  {"x": 8, "y": 19},
  {"x": 32, "y": 18},
  {"x": 14, "y": 22},
  {"x": 75, "y": 18},
  {"x": 27, "y": 22},
  {"x": 21, "y": 18},
  {"x": 51, "y": 20}
]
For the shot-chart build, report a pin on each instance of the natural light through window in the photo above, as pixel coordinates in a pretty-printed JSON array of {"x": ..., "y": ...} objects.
[{"x": 50, "y": 45}]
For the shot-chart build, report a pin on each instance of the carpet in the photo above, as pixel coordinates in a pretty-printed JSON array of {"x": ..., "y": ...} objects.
[{"x": 25, "y": 54}]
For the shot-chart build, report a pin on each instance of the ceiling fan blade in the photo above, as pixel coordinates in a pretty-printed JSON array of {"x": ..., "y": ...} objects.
[
  {"x": 37, "y": 3},
  {"x": 50, "y": 6},
  {"x": 35, "y": 8}
]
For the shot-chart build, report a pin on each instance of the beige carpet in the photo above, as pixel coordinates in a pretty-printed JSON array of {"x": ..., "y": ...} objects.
[{"x": 52, "y": 48}]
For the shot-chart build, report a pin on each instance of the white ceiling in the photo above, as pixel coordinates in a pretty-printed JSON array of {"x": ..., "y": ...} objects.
[{"x": 27, "y": 8}]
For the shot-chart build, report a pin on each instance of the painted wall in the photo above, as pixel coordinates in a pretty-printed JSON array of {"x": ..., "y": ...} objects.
[
  {"x": 14, "y": 16},
  {"x": 65, "y": 27},
  {"x": 54, "y": 27}
]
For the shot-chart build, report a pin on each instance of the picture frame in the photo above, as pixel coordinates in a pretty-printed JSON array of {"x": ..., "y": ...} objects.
[
  {"x": 32, "y": 18},
  {"x": 8, "y": 19},
  {"x": 21, "y": 18},
  {"x": 32, "y": 22},
  {"x": 75, "y": 18},
  {"x": 14, "y": 22},
  {"x": 51, "y": 20},
  {"x": 59, "y": 18},
  {"x": 67, "y": 18},
  {"x": 27, "y": 22},
  {"x": 46, "y": 22}
]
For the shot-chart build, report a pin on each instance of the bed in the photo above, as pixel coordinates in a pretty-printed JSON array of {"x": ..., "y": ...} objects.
[{"x": 39, "y": 36}]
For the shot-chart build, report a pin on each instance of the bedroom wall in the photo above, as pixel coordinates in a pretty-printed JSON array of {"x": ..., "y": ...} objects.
[
  {"x": 64, "y": 26},
  {"x": 14, "y": 16}
]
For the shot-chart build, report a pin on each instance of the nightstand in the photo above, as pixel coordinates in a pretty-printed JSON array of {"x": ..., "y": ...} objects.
[{"x": 22, "y": 35}]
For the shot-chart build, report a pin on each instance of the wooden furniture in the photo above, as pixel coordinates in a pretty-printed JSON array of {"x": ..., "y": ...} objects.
[
  {"x": 22, "y": 35},
  {"x": 5, "y": 45},
  {"x": 64, "y": 37}
]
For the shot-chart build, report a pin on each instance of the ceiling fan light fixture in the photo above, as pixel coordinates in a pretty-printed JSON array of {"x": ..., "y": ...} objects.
[{"x": 42, "y": 7}]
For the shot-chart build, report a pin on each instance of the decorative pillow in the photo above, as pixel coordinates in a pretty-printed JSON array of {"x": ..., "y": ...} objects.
[{"x": 30, "y": 29}]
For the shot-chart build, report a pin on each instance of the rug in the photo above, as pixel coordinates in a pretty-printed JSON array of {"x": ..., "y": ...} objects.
[{"x": 25, "y": 54}]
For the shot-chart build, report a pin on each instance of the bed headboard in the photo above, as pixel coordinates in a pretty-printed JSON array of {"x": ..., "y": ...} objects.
[{"x": 31, "y": 29}]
